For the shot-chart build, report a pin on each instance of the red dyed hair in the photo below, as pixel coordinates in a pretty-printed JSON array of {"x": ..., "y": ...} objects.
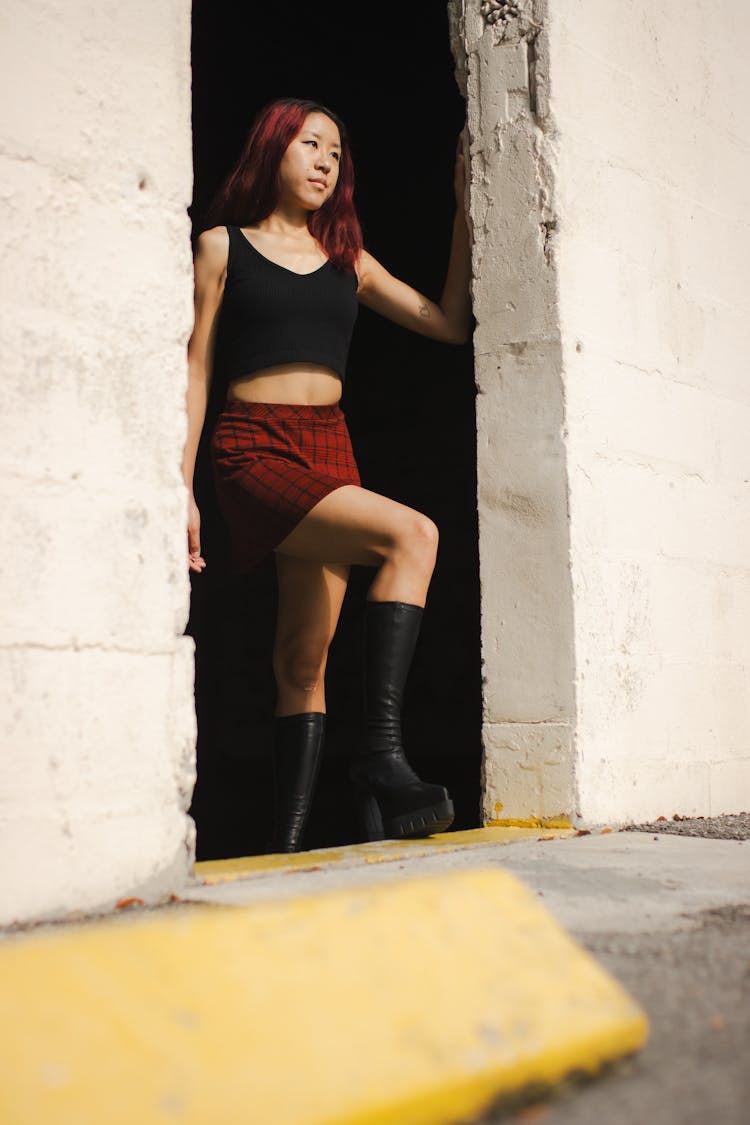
[{"x": 252, "y": 188}]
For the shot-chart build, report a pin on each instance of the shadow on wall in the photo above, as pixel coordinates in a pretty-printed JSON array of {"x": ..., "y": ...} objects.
[{"x": 409, "y": 403}]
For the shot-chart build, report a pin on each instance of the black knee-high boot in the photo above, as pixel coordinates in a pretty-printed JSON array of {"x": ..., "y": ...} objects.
[
  {"x": 393, "y": 800},
  {"x": 297, "y": 751}
]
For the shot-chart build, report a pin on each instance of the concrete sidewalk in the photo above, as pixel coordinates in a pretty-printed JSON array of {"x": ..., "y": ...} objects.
[
  {"x": 667, "y": 914},
  {"x": 617, "y": 882},
  {"x": 457, "y": 915}
]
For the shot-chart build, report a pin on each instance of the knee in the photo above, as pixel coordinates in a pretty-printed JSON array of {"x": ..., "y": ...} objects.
[
  {"x": 299, "y": 662},
  {"x": 419, "y": 539}
]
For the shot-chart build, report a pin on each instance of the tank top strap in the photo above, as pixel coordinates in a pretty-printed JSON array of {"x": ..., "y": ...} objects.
[
  {"x": 235, "y": 251},
  {"x": 241, "y": 250}
]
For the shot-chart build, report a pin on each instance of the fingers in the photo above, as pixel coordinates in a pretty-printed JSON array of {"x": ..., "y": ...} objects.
[{"x": 196, "y": 562}]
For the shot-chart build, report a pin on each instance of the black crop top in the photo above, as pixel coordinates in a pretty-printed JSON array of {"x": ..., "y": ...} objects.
[{"x": 270, "y": 314}]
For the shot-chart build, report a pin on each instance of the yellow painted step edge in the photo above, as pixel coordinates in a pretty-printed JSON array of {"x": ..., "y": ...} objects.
[
  {"x": 408, "y": 1002},
  {"x": 208, "y": 872}
]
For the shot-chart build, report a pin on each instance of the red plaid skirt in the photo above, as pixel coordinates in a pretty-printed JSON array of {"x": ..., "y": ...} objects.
[{"x": 272, "y": 462}]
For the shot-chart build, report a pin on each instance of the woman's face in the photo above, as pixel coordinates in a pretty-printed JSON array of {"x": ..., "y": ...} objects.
[{"x": 309, "y": 168}]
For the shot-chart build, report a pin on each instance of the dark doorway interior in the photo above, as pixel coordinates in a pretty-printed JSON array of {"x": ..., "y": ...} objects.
[{"x": 409, "y": 403}]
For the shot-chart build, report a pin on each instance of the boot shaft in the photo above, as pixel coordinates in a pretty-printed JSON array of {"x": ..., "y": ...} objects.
[
  {"x": 391, "y": 634},
  {"x": 297, "y": 754}
]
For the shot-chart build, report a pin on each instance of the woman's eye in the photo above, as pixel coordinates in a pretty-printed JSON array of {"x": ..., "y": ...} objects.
[{"x": 312, "y": 143}]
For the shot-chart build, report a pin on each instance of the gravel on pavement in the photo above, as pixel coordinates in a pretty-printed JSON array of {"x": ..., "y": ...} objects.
[{"x": 731, "y": 826}]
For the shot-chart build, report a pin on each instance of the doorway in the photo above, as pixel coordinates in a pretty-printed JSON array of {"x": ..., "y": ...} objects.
[{"x": 409, "y": 402}]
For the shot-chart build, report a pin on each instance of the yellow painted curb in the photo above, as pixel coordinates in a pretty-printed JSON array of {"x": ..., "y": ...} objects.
[
  {"x": 531, "y": 822},
  {"x": 409, "y": 1002},
  {"x": 560, "y": 821},
  {"x": 211, "y": 871}
]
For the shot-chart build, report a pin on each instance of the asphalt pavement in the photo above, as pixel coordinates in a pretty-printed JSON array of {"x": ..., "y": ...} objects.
[
  {"x": 674, "y": 930},
  {"x": 694, "y": 984}
]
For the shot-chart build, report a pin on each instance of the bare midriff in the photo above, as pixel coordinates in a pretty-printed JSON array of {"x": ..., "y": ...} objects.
[{"x": 305, "y": 384}]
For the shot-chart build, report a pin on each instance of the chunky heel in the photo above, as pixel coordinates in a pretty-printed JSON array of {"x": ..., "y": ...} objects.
[
  {"x": 393, "y": 813},
  {"x": 369, "y": 817}
]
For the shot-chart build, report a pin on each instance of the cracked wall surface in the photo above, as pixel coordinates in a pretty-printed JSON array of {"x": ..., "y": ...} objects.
[
  {"x": 609, "y": 151},
  {"x": 98, "y": 733},
  {"x": 527, "y": 626},
  {"x": 653, "y": 250}
]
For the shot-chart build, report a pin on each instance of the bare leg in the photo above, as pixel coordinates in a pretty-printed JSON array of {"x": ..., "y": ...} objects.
[
  {"x": 310, "y": 597},
  {"x": 355, "y": 526}
]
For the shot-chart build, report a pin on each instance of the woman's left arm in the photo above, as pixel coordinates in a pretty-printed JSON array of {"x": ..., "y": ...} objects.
[{"x": 450, "y": 319}]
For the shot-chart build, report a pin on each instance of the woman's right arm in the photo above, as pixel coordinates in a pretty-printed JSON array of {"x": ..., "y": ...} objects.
[{"x": 210, "y": 274}]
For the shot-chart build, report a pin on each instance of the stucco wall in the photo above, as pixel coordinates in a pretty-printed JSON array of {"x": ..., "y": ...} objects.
[
  {"x": 653, "y": 250},
  {"x": 527, "y": 627},
  {"x": 610, "y": 155},
  {"x": 97, "y": 720}
]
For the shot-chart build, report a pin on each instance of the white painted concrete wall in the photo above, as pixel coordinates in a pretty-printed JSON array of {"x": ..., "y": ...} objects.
[
  {"x": 610, "y": 152},
  {"x": 611, "y": 246},
  {"x": 527, "y": 625},
  {"x": 653, "y": 245},
  {"x": 97, "y": 720}
]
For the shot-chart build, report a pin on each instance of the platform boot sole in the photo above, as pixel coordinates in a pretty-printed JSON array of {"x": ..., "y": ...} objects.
[{"x": 415, "y": 823}]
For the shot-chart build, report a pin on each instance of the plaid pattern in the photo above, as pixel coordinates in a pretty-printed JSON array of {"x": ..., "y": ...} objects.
[{"x": 272, "y": 462}]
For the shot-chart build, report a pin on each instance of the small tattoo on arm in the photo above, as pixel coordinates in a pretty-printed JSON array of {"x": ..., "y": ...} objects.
[{"x": 424, "y": 311}]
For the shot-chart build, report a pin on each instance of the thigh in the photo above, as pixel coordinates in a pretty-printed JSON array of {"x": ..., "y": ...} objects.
[
  {"x": 310, "y": 599},
  {"x": 350, "y": 525}
]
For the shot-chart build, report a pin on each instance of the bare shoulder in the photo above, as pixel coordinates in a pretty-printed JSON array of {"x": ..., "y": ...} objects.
[
  {"x": 212, "y": 250},
  {"x": 367, "y": 269}
]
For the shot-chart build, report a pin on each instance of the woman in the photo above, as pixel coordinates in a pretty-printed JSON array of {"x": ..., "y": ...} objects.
[{"x": 276, "y": 292}]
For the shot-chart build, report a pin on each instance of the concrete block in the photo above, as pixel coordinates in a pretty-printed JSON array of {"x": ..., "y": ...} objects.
[
  {"x": 673, "y": 41},
  {"x": 647, "y": 705},
  {"x": 528, "y": 772},
  {"x": 628, "y": 509},
  {"x": 526, "y": 595},
  {"x": 527, "y": 626},
  {"x": 726, "y": 343},
  {"x": 392, "y": 1002},
  {"x": 96, "y": 569},
  {"x": 651, "y": 731},
  {"x": 86, "y": 419},
  {"x": 729, "y": 782},
  {"x": 695, "y": 610},
  {"x": 627, "y": 124},
  {"x": 96, "y": 302},
  {"x": 96, "y": 777},
  {"x": 636, "y": 317},
  {"x": 640, "y": 791},
  {"x": 619, "y": 410},
  {"x": 678, "y": 610},
  {"x": 101, "y": 68},
  {"x": 511, "y": 159}
]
